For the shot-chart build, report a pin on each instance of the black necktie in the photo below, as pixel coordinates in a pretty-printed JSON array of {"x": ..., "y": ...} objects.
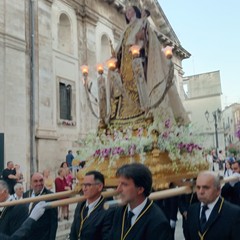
[
  {"x": 128, "y": 221},
  {"x": 203, "y": 218},
  {"x": 85, "y": 212}
]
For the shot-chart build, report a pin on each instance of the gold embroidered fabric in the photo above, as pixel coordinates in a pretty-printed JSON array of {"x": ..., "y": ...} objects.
[{"x": 126, "y": 106}]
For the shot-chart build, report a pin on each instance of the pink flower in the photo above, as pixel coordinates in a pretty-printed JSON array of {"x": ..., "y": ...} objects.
[
  {"x": 132, "y": 149},
  {"x": 167, "y": 123},
  {"x": 97, "y": 153},
  {"x": 165, "y": 135},
  {"x": 140, "y": 132}
]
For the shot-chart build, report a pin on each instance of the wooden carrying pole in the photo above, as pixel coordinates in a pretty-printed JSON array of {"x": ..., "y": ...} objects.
[
  {"x": 230, "y": 179},
  {"x": 77, "y": 199},
  {"x": 153, "y": 196},
  {"x": 69, "y": 200},
  {"x": 44, "y": 197},
  {"x": 170, "y": 192}
]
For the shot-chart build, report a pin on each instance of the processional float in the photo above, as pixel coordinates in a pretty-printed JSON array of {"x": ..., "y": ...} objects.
[
  {"x": 181, "y": 173},
  {"x": 141, "y": 119},
  {"x": 149, "y": 139}
]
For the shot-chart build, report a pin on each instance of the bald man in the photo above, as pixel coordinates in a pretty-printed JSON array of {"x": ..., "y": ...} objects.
[
  {"x": 213, "y": 217},
  {"x": 46, "y": 226}
]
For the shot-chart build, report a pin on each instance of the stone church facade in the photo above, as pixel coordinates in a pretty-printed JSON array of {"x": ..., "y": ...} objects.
[{"x": 43, "y": 44}]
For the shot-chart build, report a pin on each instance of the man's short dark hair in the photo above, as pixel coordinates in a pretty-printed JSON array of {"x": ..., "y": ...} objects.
[
  {"x": 97, "y": 176},
  {"x": 139, "y": 173},
  {"x": 9, "y": 162}
]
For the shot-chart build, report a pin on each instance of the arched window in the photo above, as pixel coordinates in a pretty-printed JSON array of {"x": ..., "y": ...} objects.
[
  {"x": 105, "y": 49},
  {"x": 65, "y": 34}
]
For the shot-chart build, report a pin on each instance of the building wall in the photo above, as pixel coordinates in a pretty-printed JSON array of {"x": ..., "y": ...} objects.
[
  {"x": 203, "y": 93},
  {"x": 231, "y": 123},
  {"x": 14, "y": 80}
]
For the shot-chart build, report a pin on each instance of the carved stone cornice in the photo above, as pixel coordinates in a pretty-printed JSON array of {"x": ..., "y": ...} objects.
[
  {"x": 118, "y": 4},
  {"x": 178, "y": 49},
  {"x": 87, "y": 14},
  {"x": 91, "y": 17},
  {"x": 48, "y": 134},
  {"x": 13, "y": 42}
]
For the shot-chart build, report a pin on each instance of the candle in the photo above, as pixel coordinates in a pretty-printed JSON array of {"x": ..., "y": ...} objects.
[
  {"x": 168, "y": 51},
  {"x": 111, "y": 63},
  {"x": 100, "y": 68},
  {"x": 135, "y": 50},
  {"x": 84, "y": 69}
]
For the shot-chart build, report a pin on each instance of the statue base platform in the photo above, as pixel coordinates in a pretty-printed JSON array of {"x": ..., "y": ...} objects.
[{"x": 165, "y": 171}]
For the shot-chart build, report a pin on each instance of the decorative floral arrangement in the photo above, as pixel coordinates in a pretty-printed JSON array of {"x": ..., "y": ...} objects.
[{"x": 179, "y": 141}]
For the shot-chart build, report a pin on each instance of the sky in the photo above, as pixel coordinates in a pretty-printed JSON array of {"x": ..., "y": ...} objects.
[{"x": 210, "y": 31}]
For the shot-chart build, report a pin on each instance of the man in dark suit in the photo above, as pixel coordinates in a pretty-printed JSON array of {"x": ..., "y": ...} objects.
[
  {"x": 231, "y": 190},
  {"x": 91, "y": 221},
  {"x": 169, "y": 207},
  {"x": 139, "y": 218},
  {"x": 11, "y": 218},
  {"x": 212, "y": 218},
  {"x": 185, "y": 201},
  {"x": 25, "y": 229},
  {"x": 46, "y": 227}
]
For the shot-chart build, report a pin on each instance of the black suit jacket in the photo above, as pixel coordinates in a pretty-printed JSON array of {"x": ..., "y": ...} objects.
[
  {"x": 12, "y": 218},
  {"x": 232, "y": 194},
  {"x": 152, "y": 225},
  {"x": 96, "y": 226},
  {"x": 185, "y": 201},
  {"x": 21, "y": 233},
  {"x": 46, "y": 226},
  {"x": 223, "y": 222},
  {"x": 169, "y": 207}
]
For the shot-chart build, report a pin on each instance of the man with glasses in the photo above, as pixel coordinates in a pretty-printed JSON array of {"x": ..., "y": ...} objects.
[{"x": 91, "y": 221}]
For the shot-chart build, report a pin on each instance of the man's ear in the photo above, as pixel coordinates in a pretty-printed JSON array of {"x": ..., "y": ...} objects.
[
  {"x": 101, "y": 187},
  {"x": 140, "y": 190}
]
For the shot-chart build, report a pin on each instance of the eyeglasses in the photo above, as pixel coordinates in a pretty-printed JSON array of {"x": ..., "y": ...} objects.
[{"x": 87, "y": 185}]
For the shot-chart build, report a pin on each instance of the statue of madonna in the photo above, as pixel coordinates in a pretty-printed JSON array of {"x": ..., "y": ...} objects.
[{"x": 139, "y": 85}]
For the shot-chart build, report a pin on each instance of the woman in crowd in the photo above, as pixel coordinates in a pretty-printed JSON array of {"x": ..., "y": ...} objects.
[
  {"x": 61, "y": 185},
  {"x": 48, "y": 180}
]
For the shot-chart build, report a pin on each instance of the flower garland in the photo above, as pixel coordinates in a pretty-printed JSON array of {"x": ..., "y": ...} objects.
[{"x": 179, "y": 141}]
